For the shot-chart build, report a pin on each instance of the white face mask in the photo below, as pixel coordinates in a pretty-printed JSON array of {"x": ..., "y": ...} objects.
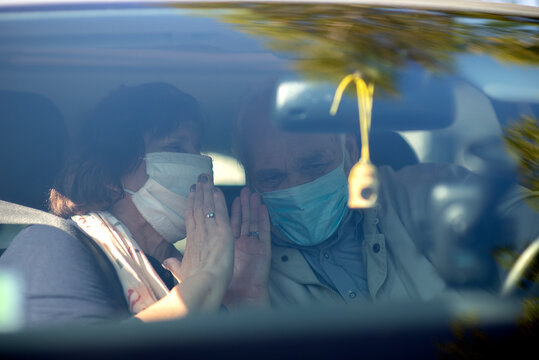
[{"x": 163, "y": 198}]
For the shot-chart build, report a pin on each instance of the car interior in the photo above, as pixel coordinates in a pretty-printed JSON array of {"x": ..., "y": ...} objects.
[
  {"x": 55, "y": 66},
  {"x": 217, "y": 65}
]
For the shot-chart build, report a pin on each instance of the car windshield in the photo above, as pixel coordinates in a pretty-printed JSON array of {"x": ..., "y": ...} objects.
[{"x": 435, "y": 137}]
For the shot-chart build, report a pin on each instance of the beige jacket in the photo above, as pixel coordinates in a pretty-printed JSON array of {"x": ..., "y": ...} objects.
[{"x": 396, "y": 268}]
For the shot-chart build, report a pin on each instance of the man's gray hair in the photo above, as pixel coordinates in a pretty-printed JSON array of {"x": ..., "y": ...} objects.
[{"x": 255, "y": 110}]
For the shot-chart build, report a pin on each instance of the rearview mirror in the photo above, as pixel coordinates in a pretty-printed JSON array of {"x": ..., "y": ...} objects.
[{"x": 420, "y": 102}]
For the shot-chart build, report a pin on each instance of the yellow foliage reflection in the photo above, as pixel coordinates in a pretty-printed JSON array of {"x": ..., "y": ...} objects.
[{"x": 327, "y": 42}]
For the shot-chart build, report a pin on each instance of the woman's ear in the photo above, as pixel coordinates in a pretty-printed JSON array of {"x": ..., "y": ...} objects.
[{"x": 136, "y": 179}]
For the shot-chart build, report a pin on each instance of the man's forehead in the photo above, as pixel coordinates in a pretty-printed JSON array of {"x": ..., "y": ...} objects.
[{"x": 273, "y": 148}]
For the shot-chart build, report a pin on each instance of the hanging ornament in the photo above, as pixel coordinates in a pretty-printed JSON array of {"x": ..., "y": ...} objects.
[{"x": 363, "y": 181}]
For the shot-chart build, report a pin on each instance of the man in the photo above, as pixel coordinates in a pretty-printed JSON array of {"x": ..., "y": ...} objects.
[{"x": 323, "y": 252}]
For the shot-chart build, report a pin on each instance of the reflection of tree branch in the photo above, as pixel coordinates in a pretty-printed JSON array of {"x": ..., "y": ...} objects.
[{"x": 327, "y": 41}]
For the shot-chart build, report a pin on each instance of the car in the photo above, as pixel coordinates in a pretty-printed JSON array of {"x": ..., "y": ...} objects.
[{"x": 453, "y": 82}]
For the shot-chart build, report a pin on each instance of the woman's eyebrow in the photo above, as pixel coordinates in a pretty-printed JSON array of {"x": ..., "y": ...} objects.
[{"x": 177, "y": 139}]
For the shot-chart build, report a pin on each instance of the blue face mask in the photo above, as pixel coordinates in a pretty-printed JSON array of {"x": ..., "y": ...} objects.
[{"x": 310, "y": 213}]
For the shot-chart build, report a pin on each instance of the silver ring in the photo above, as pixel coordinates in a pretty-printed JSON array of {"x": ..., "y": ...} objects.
[
  {"x": 210, "y": 215},
  {"x": 253, "y": 234}
]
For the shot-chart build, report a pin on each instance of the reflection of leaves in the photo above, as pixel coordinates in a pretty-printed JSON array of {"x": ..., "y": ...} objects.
[
  {"x": 506, "y": 258},
  {"x": 329, "y": 41},
  {"x": 472, "y": 342},
  {"x": 529, "y": 324},
  {"x": 522, "y": 139},
  {"x": 508, "y": 41}
]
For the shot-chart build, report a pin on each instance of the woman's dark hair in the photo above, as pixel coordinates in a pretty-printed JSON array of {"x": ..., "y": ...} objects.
[{"x": 111, "y": 144}]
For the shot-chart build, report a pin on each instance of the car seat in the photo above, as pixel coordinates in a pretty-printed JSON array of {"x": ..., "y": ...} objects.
[
  {"x": 390, "y": 148},
  {"x": 33, "y": 139}
]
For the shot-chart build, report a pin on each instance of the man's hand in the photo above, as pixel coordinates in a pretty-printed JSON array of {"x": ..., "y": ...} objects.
[{"x": 252, "y": 252}]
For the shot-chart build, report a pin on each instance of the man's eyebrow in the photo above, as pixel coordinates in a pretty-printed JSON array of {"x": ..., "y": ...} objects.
[
  {"x": 312, "y": 158},
  {"x": 263, "y": 173}
]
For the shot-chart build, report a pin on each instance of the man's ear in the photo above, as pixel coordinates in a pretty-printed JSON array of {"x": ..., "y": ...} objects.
[
  {"x": 351, "y": 147},
  {"x": 351, "y": 151}
]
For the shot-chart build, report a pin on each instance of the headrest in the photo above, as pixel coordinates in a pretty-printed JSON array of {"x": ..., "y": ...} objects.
[{"x": 33, "y": 138}]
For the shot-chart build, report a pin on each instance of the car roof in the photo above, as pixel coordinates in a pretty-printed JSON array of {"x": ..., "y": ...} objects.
[{"x": 442, "y": 5}]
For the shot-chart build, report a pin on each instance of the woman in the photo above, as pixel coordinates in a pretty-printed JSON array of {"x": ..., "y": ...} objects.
[{"x": 130, "y": 187}]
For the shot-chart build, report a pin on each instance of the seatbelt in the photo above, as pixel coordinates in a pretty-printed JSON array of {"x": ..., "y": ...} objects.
[{"x": 14, "y": 214}]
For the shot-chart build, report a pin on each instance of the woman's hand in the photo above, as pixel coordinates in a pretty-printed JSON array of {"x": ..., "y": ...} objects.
[
  {"x": 206, "y": 267},
  {"x": 209, "y": 253},
  {"x": 252, "y": 252}
]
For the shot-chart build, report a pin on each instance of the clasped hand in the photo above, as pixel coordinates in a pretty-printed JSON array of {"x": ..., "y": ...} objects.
[{"x": 226, "y": 261}]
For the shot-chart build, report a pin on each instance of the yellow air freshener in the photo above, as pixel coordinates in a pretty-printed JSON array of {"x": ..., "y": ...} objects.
[{"x": 363, "y": 180}]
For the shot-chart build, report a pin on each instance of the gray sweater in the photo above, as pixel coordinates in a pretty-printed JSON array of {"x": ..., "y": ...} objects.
[{"x": 62, "y": 279}]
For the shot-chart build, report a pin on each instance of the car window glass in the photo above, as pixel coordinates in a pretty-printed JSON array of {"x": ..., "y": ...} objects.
[{"x": 455, "y": 96}]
